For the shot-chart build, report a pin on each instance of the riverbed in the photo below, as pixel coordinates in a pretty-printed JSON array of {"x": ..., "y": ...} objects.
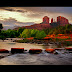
[{"x": 62, "y": 58}]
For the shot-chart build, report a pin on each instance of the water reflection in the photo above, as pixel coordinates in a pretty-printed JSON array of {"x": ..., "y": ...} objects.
[
  {"x": 50, "y": 46},
  {"x": 9, "y": 45}
]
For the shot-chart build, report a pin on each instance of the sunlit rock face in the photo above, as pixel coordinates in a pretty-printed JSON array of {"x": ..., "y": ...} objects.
[
  {"x": 46, "y": 20},
  {"x": 52, "y": 20},
  {"x": 62, "y": 21}
]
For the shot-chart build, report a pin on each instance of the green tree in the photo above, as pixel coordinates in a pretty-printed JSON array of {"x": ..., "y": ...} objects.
[
  {"x": 26, "y": 33},
  {"x": 20, "y": 30},
  {"x": 33, "y": 32},
  {"x": 1, "y": 27},
  {"x": 40, "y": 34}
]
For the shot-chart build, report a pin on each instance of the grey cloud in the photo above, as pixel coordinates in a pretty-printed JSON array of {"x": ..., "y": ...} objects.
[
  {"x": 13, "y": 22},
  {"x": 13, "y": 9},
  {"x": 21, "y": 11},
  {"x": 40, "y": 9},
  {"x": 9, "y": 9}
]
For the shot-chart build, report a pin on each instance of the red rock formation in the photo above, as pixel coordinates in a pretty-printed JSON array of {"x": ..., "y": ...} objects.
[
  {"x": 46, "y": 20},
  {"x": 62, "y": 21},
  {"x": 52, "y": 20},
  {"x": 38, "y": 26}
]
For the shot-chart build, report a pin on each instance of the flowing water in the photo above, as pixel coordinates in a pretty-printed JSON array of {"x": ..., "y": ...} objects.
[{"x": 34, "y": 59}]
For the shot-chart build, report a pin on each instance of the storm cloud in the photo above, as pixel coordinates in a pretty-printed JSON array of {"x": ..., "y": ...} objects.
[{"x": 24, "y": 16}]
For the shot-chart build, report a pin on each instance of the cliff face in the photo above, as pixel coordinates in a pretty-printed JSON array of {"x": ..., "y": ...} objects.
[
  {"x": 62, "y": 21},
  {"x": 46, "y": 20}
]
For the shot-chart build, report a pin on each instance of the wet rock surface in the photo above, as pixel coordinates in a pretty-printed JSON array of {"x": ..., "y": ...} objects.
[
  {"x": 3, "y": 55},
  {"x": 62, "y": 58}
]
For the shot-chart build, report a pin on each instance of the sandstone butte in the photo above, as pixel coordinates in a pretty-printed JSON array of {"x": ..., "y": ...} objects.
[{"x": 62, "y": 21}]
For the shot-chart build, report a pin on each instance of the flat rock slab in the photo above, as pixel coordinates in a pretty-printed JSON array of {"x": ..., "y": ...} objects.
[{"x": 38, "y": 59}]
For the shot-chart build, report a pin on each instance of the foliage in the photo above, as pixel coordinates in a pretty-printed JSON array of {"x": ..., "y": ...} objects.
[
  {"x": 26, "y": 33},
  {"x": 33, "y": 33},
  {"x": 67, "y": 29},
  {"x": 1, "y": 26},
  {"x": 20, "y": 30},
  {"x": 37, "y": 34},
  {"x": 40, "y": 34}
]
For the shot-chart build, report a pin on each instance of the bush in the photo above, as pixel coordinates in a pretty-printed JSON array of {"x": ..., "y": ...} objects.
[{"x": 40, "y": 35}]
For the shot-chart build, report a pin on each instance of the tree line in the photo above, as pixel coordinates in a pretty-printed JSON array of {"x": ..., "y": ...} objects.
[{"x": 39, "y": 34}]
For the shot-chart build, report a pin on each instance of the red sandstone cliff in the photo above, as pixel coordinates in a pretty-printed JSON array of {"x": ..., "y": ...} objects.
[
  {"x": 52, "y": 20},
  {"x": 46, "y": 20},
  {"x": 62, "y": 21}
]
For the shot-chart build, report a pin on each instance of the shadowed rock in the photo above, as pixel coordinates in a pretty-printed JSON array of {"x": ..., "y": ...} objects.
[
  {"x": 17, "y": 50},
  {"x": 35, "y": 51},
  {"x": 4, "y": 51}
]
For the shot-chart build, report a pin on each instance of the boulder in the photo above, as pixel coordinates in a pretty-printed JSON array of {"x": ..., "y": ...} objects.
[
  {"x": 4, "y": 51},
  {"x": 70, "y": 49},
  {"x": 50, "y": 50},
  {"x": 35, "y": 51},
  {"x": 17, "y": 50}
]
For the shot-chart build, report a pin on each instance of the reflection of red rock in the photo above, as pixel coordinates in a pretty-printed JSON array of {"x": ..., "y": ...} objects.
[
  {"x": 62, "y": 21},
  {"x": 31, "y": 38}
]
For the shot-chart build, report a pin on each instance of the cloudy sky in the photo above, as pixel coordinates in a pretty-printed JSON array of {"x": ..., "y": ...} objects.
[{"x": 23, "y": 16}]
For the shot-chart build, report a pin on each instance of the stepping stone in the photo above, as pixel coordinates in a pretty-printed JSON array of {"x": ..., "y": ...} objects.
[
  {"x": 17, "y": 50},
  {"x": 35, "y": 51},
  {"x": 4, "y": 51},
  {"x": 50, "y": 50},
  {"x": 70, "y": 49}
]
